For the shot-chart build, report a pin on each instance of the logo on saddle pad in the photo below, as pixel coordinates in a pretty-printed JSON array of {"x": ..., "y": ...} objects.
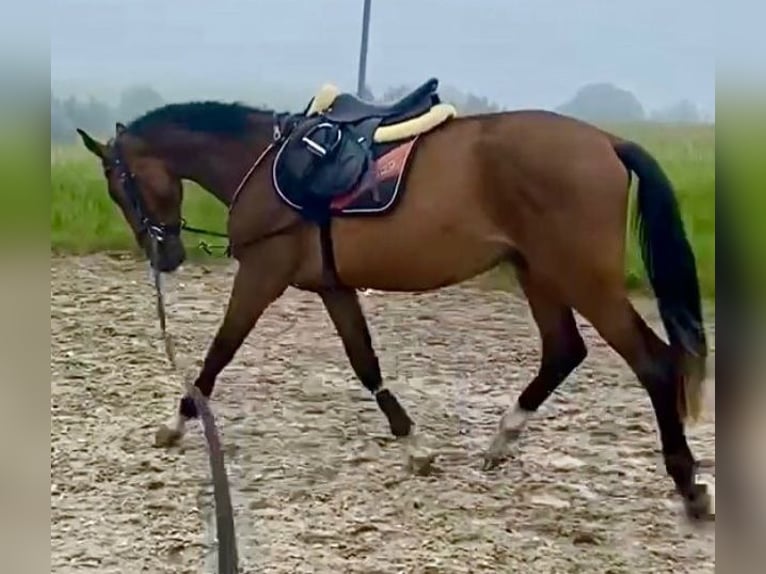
[{"x": 349, "y": 157}]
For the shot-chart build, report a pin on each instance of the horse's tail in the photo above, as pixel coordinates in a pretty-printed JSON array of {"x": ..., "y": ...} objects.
[{"x": 672, "y": 271}]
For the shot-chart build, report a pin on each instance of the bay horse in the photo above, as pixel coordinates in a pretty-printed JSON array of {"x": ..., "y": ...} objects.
[{"x": 545, "y": 192}]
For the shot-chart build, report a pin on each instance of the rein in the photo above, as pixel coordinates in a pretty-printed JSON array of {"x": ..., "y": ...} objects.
[
  {"x": 204, "y": 245},
  {"x": 186, "y": 227},
  {"x": 224, "y": 512},
  {"x": 280, "y": 128}
]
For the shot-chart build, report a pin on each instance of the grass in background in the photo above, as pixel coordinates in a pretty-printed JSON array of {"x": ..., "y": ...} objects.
[
  {"x": 687, "y": 154},
  {"x": 84, "y": 219}
]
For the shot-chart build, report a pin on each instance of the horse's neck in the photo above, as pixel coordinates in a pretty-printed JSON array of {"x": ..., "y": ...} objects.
[{"x": 219, "y": 169}]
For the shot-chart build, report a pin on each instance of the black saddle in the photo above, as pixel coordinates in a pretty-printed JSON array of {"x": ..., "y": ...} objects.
[{"x": 348, "y": 109}]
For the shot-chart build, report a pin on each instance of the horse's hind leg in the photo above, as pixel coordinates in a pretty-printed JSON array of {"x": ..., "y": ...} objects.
[
  {"x": 654, "y": 364},
  {"x": 346, "y": 314},
  {"x": 562, "y": 351}
]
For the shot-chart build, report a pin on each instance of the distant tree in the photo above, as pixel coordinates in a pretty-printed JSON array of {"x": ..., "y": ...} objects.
[
  {"x": 466, "y": 103},
  {"x": 473, "y": 104},
  {"x": 137, "y": 100},
  {"x": 92, "y": 115},
  {"x": 683, "y": 111},
  {"x": 62, "y": 130},
  {"x": 367, "y": 94},
  {"x": 395, "y": 93},
  {"x": 603, "y": 102}
]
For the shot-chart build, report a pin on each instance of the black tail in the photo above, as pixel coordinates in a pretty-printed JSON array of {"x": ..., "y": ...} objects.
[{"x": 671, "y": 268}]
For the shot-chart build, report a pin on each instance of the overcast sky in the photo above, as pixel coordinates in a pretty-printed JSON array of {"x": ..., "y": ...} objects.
[{"x": 520, "y": 53}]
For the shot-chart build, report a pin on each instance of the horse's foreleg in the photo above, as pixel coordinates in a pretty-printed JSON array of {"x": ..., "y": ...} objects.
[
  {"x": 346, "y": 314},
  {"x": 254, "y": 289},
  {"x": 562, "y": 351}
]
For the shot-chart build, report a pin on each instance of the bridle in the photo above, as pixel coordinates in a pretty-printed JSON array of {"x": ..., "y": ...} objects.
[{"x": 157, "y": 232}]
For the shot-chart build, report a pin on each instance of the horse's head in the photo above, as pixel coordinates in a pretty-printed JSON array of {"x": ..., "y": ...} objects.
[{"x": 147, "y": 192}]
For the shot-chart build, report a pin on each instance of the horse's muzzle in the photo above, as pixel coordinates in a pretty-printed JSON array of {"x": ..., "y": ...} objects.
[{"x": 170, "y": 254}]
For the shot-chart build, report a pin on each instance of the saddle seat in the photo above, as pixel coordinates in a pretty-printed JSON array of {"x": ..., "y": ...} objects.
[
  {"x": 346, "y": 108},
  {"x": 418, "y": 112}
]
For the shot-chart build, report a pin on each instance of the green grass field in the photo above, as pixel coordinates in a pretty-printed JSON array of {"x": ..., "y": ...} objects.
[{"x": 84, "y": 220}]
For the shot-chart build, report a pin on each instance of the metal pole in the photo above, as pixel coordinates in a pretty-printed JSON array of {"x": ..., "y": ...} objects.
[{"x": 362, "y": 77}]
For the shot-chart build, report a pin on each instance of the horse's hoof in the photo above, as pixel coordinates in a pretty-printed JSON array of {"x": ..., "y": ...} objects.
[
  {"x": 421, "y": 462},
  {"x": 491, "y": 461},
  {"x": 700, "y": 507},
  {"x": 497, "y": 452},
  {"x": 420, "y": 458},
  {"x": 166, "y": 436}
]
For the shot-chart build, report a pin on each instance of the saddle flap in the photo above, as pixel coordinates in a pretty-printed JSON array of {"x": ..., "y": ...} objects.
[{"x": 318, "y": 162}]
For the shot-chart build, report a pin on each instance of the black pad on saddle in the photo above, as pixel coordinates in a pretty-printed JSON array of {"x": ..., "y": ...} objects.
[
  {"x": 347, "y": 108},
  {"x": 320, "y": 161}
]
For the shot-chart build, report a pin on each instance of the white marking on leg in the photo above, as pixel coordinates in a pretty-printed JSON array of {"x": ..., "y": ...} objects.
[
  {"x": 513, "y": 421},
  {"x": 709, "y": 482},
  {"x": 170, "y": 434},
  {"x": 420, "y": 458},
  {"x": 508, "y": 429}
]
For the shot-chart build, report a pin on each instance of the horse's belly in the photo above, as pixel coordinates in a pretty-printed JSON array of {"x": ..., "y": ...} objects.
[{"x": 392, "y": 255}]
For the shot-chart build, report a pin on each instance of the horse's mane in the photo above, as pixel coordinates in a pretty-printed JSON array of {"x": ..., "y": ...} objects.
[{"x": 219, "y": 118}]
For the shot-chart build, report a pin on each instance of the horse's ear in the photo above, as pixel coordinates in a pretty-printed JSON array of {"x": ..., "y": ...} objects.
[
  {"x": 119, "y": 128},
  {"x": 95, "y": 147}
]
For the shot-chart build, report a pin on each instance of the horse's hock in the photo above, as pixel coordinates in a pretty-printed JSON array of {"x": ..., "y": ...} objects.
[{"x": 317, "y": 481}]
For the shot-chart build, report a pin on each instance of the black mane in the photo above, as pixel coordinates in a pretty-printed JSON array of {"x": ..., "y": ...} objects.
[{"x": 226, "y": 119}]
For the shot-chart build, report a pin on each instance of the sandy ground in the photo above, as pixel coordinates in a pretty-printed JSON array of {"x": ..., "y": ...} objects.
[{"x": 318, "y": 484}]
